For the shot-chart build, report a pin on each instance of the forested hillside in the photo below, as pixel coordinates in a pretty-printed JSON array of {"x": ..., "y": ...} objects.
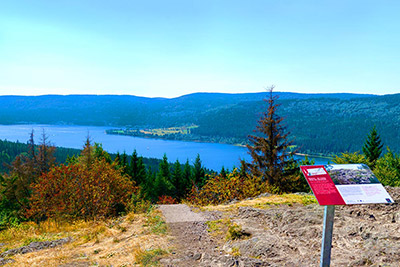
[
  {"x": 10, "y": 150},
  {"x": 319, "y": 123}
]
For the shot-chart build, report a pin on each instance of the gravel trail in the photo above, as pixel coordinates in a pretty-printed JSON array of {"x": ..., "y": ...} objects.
[{"x": 178, "y": 213}]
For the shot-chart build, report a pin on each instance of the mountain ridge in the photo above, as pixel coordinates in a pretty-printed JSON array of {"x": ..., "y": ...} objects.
[{"x": 319, "y": 123}]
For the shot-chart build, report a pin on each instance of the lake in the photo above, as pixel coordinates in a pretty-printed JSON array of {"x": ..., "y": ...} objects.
[{"x": 213, "y": 156}]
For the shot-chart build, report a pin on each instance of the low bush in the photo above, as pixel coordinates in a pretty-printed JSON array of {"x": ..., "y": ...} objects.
[
  {"x": 80, "y": 191},
  {"x": 220, "y": 189}
]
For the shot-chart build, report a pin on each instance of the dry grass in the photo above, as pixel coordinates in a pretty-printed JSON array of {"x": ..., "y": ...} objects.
[
  {"x": 266, "y": 202},
  {"x": 117, "y": 242}
]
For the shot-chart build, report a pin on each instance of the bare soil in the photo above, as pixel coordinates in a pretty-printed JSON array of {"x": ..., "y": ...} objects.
[{"x": 289, "y": 235}]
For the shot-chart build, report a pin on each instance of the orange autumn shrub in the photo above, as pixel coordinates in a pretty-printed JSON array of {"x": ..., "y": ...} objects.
[
  {"x": 79, "y": 191},
  {"x": 166, "y": 200},
  {"x": 220, "y": 189}
]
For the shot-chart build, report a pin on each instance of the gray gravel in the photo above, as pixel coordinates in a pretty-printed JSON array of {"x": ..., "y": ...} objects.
[{"x": 177, "y": 213}]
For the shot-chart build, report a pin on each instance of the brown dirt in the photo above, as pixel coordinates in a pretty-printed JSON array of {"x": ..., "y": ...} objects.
[{"x": 290, "y": 235}]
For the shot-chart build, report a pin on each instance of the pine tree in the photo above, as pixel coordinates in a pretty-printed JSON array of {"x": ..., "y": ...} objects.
[
  {"x": 45, "y": 155},
  {"x": 373, "y": 146},
  {"x": 100, "y": 153},
  {"x": 187, "y": 177},
  {"x": 199, "y": 172},
  {"x": 124, "y": 162},
  {"x": 269, "y": 149},
  {"x": 243, "y": 168},
  {"x": 137, "y": 169},
  {"x": 223, "y": 172},
  {"x": 162, "y": 184},
  {"x": 117, "y": 159},
  {"x": 177, "y": 180},
  {"x": 87, "y": 153}
]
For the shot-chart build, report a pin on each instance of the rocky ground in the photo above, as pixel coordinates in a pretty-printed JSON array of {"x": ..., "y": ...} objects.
[{"x": 288, "y": 235}]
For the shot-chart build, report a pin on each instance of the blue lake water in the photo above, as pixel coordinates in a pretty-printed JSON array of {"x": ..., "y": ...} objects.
[{"x": 213, "y": 156}]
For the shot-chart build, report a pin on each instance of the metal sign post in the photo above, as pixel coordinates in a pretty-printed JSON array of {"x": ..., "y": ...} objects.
[{"x": 329, "y": 215}]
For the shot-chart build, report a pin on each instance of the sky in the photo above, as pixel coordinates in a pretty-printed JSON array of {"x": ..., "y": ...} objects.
[{"x": 168, "y": 48}]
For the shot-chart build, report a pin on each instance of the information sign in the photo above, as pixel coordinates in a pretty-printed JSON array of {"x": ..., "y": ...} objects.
[{"x": 344, "y": 184}]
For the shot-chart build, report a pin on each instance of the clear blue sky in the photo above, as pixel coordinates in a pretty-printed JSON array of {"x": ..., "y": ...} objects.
[{"x": 174, "y": 47}]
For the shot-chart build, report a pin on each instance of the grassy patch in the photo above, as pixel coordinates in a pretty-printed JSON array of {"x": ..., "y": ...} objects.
[
  {"x": 267, "y": 202},
  {"x": 218, "y": 227},
  {"x": 149, "y": 257},
  {"x": 234, "y": 232},
  {"x": 235, "y": 252},
  {"x": 25, "y": 233},
  {"x": 110, "y": 242},
  {"x": 155, "y": 222}
]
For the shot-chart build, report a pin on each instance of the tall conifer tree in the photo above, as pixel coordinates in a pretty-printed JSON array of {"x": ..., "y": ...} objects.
[
  {"x": 162, "y": 184},
  {"x": 373, "y": 146},
  {"x": 199, "y": 173},
  {"x": 269, "y": 149},
  {"x": 177, "y": 180}
]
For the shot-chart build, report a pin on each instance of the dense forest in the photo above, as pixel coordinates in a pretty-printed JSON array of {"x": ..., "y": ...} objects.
[
  {"x": 319, "y": 123},
  {"x": 10, "y": 150}
]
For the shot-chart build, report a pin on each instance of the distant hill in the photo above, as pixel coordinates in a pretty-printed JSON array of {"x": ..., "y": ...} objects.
[{"x": 320, "y": 123}]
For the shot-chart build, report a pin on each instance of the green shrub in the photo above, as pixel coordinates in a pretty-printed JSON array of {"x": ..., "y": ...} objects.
[{"x": 387, "y": 169}]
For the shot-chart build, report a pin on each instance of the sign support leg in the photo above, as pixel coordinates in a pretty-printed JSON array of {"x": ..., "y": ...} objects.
[{"x": 329, "y": 215}]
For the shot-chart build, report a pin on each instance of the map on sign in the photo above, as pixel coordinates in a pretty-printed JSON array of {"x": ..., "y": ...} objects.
[{"x": 344, "y": 184}]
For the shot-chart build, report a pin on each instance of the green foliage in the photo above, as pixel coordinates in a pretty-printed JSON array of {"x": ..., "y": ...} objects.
[
  {"x": 137, "y": 169},
  {"x": 155, "y": 222},
  {"x": 199, "y": 176},
  {"x": 373, "y": 146},
  {"x": 149, "y": 257},
  {"x": 162, "y": 184},
  {"x": 348, "y": 158},
  {"x": 235, "y": 232},
  {"x": 293, "y": 180},
  {"x": 387, "y": 169},
  {"x": 139, "y": 203}
]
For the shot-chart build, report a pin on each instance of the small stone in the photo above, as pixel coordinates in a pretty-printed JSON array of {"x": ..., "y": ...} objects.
[{"x": 197, "y": 256}]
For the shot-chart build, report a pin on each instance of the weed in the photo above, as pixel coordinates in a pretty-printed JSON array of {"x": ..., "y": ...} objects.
[
  {"x": 218, "y": 227},
  {"x": 234, "y": 232},
  {"x": 122, "y": 228},
  {"x": 149, "y": 257},
  {"x": 94, "y": 233},
  {"x": 235, "y": 252},
  {"x": 34, "y": 239},
  {"x": 156, "y": 223}
]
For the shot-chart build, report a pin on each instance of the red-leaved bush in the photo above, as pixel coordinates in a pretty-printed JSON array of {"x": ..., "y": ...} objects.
[
  {"x": 166, "y": 200},
  {"x": 80, "y": 191}
]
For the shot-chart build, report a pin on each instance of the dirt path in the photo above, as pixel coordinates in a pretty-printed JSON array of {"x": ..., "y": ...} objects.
[
  {"x": 179, "y": 213},
  {"x": 191, "y": 240},
  {"x": 192, "y": 244}
]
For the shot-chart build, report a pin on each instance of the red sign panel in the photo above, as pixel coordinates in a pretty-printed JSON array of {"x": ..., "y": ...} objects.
[{"x": 322, "y": 185}]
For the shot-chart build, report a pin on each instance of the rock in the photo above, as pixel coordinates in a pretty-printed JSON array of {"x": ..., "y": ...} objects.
[
  {"x": 34, "y": 246},
  {"x": 6, "y": 261},
  {"x": 197, "y": 256}
]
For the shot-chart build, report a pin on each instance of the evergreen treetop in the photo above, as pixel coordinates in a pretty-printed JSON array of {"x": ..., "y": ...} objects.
[{"x": 373, "y": 146}]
